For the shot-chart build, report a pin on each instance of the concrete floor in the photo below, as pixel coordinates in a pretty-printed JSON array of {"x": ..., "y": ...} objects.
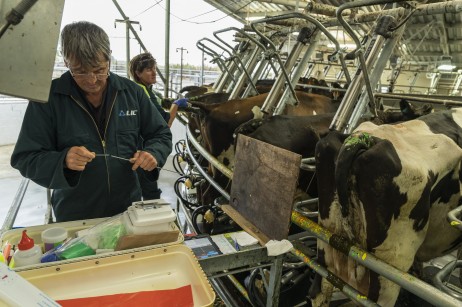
[{"x": 34, "y": 204}]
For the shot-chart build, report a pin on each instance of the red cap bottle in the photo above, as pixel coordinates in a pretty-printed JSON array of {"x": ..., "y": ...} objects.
[{"x": 26, "y": 242}]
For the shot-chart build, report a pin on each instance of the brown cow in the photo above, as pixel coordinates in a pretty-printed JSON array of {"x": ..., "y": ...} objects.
[{"x": 219, "y": 121}]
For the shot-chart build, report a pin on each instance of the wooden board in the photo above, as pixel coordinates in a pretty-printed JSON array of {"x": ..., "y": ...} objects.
[
  {"x": 245, "y": 224},
  {"x": 264, "y": 182}
]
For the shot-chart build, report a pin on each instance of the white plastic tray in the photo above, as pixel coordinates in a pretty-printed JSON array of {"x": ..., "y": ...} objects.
[{"x": 170, "y": 267}]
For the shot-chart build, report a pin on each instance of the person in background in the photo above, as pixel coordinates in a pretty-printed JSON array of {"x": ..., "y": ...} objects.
[
  {"x": 143, "y": 72},
  {"x": 70, "y": 144}
]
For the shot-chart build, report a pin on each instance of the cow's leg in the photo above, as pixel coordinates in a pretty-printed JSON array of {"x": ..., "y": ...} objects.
[
  {"x": 329, "y": 214},
  {"x": 324, "y": 297},
  {"x": 321, "y": 290}
]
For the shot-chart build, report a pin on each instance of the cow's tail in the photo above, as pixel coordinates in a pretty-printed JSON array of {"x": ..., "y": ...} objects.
[{"x": 352, "y": 147}]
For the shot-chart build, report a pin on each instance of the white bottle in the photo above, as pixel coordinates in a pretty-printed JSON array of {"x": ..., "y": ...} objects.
[{"x": 27, "y": 253}]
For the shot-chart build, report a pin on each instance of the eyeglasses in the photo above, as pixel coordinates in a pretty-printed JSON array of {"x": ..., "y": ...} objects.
[{"x": 89, "y": 76}]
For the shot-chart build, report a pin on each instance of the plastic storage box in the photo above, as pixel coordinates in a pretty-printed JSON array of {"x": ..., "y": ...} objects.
[
  {"x": 170, "y": 271},
  {"x": 161, "y": 270},
  {"x": 148, "y": 217},
  {"x": 14, "y": 235}
]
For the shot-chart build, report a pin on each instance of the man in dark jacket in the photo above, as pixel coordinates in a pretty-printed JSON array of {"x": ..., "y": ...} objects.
[{"x": 92, "y": 116}]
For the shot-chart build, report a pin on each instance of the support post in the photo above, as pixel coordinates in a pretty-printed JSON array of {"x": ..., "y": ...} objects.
[
  {"x": 181, "y": 65},
  {"x": 128, "y": 24}
]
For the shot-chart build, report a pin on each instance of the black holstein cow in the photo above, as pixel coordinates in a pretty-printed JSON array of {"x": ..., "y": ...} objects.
[{"x": 388, "y": 189}]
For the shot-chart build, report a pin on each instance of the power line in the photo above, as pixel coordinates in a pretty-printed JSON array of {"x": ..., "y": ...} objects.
[
  {"x": 206, "y": 22},
  {"x": 158, "y": 2}
]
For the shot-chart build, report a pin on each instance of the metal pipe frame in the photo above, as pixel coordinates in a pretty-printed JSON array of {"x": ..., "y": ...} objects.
[
  {"x": 347, "y": 105},
  {"x": 298, "y": 72},
  {"x": 235, "y": 57},
  {"x": 251, "y": 64},
  {"x": 216, "y": 57},
  {"x": 273, "y": 95},
  {"x": 444, "y": 274},
  {"x": 242, "y": 59},
  {"x": 444, "y": 102},
  {"x": 270, "y": 100},
  {"x": 374, "y": 79},
  {"x": 15, "y": 206},
  {"x": 231, "y": 67},
  {"x": 359, "y": 50},
  {"x": 407, "y": 281},
  {"x": 256, "y": 75},
  {"x": 454, "y": 217},
  {"x": 318, "y": 25},
  {"x": 349, "y": 291},
  {"x": 321, "y": 27},
  {"x": 223, "y": 169},
  {"x": 241, "y": 82},
  {"x": 421, "y": 10}
]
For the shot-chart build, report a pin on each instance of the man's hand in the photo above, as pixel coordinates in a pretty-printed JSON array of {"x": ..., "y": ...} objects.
[
  {"x": 77, "y": 158},
  {"x": 144, "y": 160}
]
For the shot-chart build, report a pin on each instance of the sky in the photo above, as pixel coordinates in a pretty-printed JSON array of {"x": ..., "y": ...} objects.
[{"x": 190, "y": 21}]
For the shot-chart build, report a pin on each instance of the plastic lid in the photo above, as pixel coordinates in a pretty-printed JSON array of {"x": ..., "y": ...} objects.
[{"x": 26, "y": 242}]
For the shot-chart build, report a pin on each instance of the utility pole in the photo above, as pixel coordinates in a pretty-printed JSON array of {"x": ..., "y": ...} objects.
[
  {"x": 128, "y": 23},
  {"x": 202, "y": 69},
  {"x": 181, "y": 65}
]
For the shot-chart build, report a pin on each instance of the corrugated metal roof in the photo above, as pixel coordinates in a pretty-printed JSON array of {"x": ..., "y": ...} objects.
[{"x": 427, "y": 37}]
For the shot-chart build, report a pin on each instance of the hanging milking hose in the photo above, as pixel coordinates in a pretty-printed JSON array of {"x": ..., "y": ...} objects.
[{"x": 179, "y": 157}]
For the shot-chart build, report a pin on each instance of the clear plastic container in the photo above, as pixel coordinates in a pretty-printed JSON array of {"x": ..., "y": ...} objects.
[
  {"x": 27, "y": 253},
  {"x": 53, "y": 237}
]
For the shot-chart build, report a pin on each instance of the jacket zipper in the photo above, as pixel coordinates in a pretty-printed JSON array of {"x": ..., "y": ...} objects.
[{"x": 103, "y": 143}]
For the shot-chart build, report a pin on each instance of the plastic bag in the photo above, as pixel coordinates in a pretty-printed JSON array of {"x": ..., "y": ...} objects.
[{"x": 102, "y": 236}]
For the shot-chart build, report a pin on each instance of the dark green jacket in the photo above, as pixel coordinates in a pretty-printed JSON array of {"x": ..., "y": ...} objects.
[
  {"x": 107, "y": 186},
  {"x": 156, "y": 99}
]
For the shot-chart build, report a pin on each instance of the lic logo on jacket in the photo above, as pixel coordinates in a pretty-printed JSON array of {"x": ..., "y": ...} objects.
[{"x": 128, "y": 113}]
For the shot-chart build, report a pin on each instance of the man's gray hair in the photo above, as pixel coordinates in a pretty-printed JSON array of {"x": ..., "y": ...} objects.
[{"x": 85, "y": 42}]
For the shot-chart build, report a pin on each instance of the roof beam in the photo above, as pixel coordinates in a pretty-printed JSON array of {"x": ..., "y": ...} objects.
[
  {"x": 421, "y": 10},
  {"x": 432, "y": 42},
  {"x": 262, "y": 14},
  {"x": 292, "y": 3}
]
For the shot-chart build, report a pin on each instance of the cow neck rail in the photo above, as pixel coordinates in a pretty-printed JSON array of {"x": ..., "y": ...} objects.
[
  {"x": 454, "y": 217},
  {"x": 223, "y": 169},
  {"x": 444, "y": 102},
  {"x": 206, "y": 155},
  {"x": 405, "y": 280},
  {"x": 348, "y": 290}
]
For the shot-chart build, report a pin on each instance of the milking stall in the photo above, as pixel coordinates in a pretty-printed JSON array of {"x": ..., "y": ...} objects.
[{"x": 319, "y": 164}]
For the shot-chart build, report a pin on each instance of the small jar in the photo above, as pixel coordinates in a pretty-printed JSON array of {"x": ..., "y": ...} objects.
[{"x": 53, "y": 237}]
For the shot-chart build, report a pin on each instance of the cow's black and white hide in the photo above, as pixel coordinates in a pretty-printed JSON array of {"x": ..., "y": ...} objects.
[{"x": 395, "y": 185}]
